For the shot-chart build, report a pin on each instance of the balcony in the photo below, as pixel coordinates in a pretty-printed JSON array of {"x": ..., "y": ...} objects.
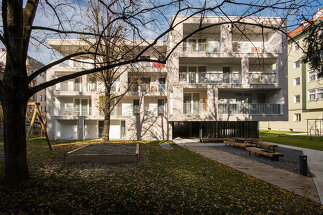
[
  {"x": 255, "y": 47},
  {"x": 201, "y": 46},
  {"x": 147, "y": 67},
  {"x": 195, "y": 108},
  {"x": 262, "y": 78},
  {"x": 152, "y": 88},
  {"x": 69, "y": 87},
  {"x": 209, "y": 78},
  {"x": 251, "y": 109},
  {"x": 71, "y": 111}
]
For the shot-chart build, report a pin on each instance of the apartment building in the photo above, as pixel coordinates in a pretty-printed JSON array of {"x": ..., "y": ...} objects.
[
  {"x": 31, "y": 65},
  {"x": 219, "y": 82},
  {"x": 305, "y": 88}
]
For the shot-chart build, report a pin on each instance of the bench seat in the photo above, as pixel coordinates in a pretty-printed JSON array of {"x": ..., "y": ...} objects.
[
  {"x": 212, "y": 139},
  {"x": 273, "y": 155},
  {"x": 241, "y": 145}
]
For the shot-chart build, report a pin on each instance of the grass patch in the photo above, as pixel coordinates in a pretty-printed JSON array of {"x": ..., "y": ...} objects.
[
  {"x": 287, "y": 138},
  {"x": 168, "y": 182}
]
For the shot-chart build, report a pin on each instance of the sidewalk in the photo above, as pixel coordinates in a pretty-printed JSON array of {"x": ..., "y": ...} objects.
[
  {"x": 315, "y": 164},
  {"x": 292, "y": 182}
]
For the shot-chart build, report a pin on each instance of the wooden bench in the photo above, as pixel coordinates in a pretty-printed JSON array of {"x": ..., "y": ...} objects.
[
  {"x": 265, "y": 144},
  {"x": 241, "y": 145},
  {"x": 273, "y": 155},
  {"x": 212, "y": 139}
]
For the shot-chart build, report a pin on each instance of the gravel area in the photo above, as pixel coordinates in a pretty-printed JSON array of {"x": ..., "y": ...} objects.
[
  {"x": 289, "y": 162},
  {"x": 115, "y": 149}
]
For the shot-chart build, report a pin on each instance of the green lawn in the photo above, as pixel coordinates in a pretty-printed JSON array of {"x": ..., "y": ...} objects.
[
  {"x": 286, "y": 137},
  {"x": 165, "y": 182}
]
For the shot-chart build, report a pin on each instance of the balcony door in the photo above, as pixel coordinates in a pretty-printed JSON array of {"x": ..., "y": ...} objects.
[
  {"x": 82, "y": 107},
  {"x": 191, "y": 103}
]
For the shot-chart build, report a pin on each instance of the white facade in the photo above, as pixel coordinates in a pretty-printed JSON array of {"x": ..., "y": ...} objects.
[{"x": 216, "y": 75}]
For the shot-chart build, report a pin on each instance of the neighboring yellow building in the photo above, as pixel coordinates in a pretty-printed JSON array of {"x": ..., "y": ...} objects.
[{"x": 305, "y": 89}]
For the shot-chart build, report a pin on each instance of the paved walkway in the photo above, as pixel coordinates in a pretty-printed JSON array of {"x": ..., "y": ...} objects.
[
  {"x": 295, "y": 183},
  {"x": 315, "y": 164}
]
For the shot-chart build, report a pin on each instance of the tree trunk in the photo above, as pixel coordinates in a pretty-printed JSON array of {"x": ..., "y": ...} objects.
[
  {"x": 107, "y": 116},
  {"x": 16, "y": 167}
]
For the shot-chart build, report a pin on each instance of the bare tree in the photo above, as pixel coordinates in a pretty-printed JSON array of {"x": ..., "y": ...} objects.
[{"x": 18, "y": 32}]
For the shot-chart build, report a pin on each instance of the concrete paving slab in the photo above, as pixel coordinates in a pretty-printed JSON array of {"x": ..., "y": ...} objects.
[
  {"x": 315, "y": 164},
  {"x": 292, "y": 182}
]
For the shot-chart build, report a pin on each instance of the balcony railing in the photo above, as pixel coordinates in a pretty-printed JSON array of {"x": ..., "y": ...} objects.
[
  {"x": 148, "y": 88},
  {"x": 155, "y": 111},
  {"x": 262, "y": 78},
  {"x": 252, "y": 109},
  {"x": 71, "y": 111},
  {"x": 255, "y": 47},
  {"x": 195, "y": 108},
  {"x": 65, "y": 86},
  {"x": 208, "y": 47},
  {"x": 209, "y": 78}
]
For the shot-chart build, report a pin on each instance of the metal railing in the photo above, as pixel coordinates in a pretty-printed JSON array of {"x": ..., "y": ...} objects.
[
  {"x": 190, "y": 108},
  {"x": 64, "y": 86},
  {"x": 71, "y": 111},
  {"x": 255, "y": 47},
  {"x": 210, "y": 78},
  {"x": 252, "y": 109},
  {"x": 262, "y": 78},
  {"x": 208, "y": 47},
  {"x": 148, "y": 88}
]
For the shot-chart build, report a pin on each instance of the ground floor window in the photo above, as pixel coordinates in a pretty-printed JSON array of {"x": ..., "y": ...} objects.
[
  {"x": 297, "y": 117},
  {"x": 123, "y": 129}
]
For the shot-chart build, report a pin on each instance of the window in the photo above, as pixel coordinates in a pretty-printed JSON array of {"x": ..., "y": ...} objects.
[
  {"x": 297, "y": 117},
  {"x": 82, "y": 107},
  {"x": 195, "y": 45},
  {"x": 123, "y": 129},
  {"x": 192, "y": 74},
  {"x": 40, "y": 98},
  {"x": 261, "y": 98},
  {"x": 161, "y": 106},
  {"x": 191, "y": 103},
  {"x": 297, "y": 99},
  {"x": 315, "y": 75},
  {"x": 136, "y": 107},
  {"x": 45, "y": 98},
  {"x": 226, "y": 74},
  {"x": 312, "y": 95},
  {"x": 296, "y": 47},
  {"x": 243, "y": 98},
  {"x": 45, "y": 108},
  {"x": 297, "y": 81},
  {"x": 41, "y": 108},
  {"x": 320, "y": 94},
  {"x": 162, "y": 85},
  {"x": 297, "y": 64}
]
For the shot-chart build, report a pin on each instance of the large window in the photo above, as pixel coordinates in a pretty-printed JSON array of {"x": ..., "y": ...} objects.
[
  {"x": 312, "y": 95},
  {"x": 194, "y": 45},
  {"x": 320, "y": 94},
  {"x": 315, "y": 75},
  {"x": 136, "y": 107},
  {"x": 192, "y": 74},
  {"x": 191, "y": 103},
  {"x": 243, "y": 98},
  {"x": 82, "y": 107},
  {"x": 161, "y": 106},
  {"x": 123, "y": 129}
]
